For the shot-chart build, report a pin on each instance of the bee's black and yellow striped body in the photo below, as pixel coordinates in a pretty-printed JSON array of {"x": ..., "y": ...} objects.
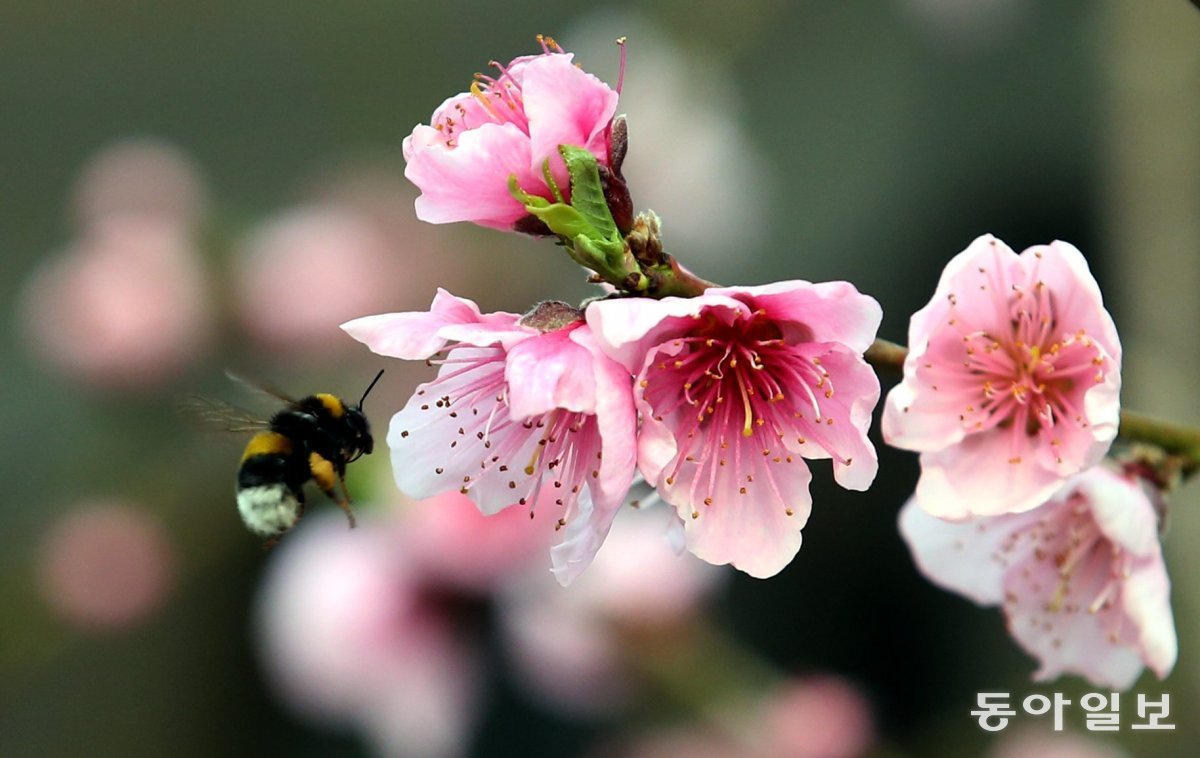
[{"x": 312, "y": 438}]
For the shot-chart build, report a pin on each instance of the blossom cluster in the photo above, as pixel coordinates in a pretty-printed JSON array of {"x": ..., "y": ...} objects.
[
  {"x": 718, "y": 396},
  {"x": 733, "y": 389}
]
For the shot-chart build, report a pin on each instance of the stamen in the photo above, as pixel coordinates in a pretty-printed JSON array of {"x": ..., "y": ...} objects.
[
  {"x": 621, "y": 72},
  {"x": 478, "y": 94}
]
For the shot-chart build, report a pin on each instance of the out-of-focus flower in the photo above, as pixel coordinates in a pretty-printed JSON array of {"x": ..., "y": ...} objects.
[
  {"x": 456, "y": 545},
  {"x": 520, "y": 404},
  {"x": 351, "y": 635},
  {"x": 1012, "y": 380},
  {"x": 1023, "y": 742},
  {"x": 105, "y": 565},
  {"x": 141, "y": 177},
  {"x": 735, "y": 388},
  {"x": 821, "y": 716},
  {"x": 1081, "y": 578},
  {"x": 567, "y": 645},
  {"x": 508, "y": 125},
  {"x": 303, "y": 273},
  {"x": 126, "y": 306}
]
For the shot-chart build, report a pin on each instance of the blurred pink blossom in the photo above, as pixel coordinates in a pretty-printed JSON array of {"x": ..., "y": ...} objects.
[
  {"x": 301, "y": 274},
  {"x": 735, "y": 388},
  {"x": 141, "y": 177},
  {"x": 509, "y": 125},
  {"x": 456, "y": 545},
  {"x": 125, "y": 306},
  {"x": 1081, "y": 578},
  {"x": 520, "y": 404},
  {"x": 821, "y": 716},
  {"x": 1012, "y": 380},
  {"x": 105, "y": 565},
  {"x": 567, "y": 644},
  {"x": 351, "y": 635},
  {"x": 1022, "y": 742}
]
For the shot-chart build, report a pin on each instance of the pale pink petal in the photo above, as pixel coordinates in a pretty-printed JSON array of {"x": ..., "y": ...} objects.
[
  {"x": 830, "y": 311},
  {"x": 413, "y": 335},
  {"x": 550, "y": 371},
  {"x": 627, "y": 328},
  {"x": 848, "y": 403},
  {"x": 967, "y": 557},
  {"x": 956, "y": 279},
  {"x": 1146, "y": 601},
  {"x": 1122, "y": 510},
  {"x": 616, "y": 419},
  {"x": 1064, "y": 269},
  {"x": 430, "y": 455},
  {"x": 469, "y": 182},
  {"x": 979, "y": 477},
  {"x": 759, "y": 535},
  {"x": 565, "y": 105},
  {"x": 915, "y": 421}
]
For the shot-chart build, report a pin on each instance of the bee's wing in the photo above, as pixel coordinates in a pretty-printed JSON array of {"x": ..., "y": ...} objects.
[
  {"x": 221, "y": 416},
  {"x": 259, "y": 387}
]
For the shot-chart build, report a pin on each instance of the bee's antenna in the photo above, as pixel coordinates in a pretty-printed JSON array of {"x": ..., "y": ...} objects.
[{"x": 370, "y": 387}]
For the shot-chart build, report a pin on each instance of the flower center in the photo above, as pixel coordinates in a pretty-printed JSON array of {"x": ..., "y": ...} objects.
[
  {"x": 1077, "y": 548},
  {"x": 1029, "y": 377},
  {"x": 737, "y": 394}
]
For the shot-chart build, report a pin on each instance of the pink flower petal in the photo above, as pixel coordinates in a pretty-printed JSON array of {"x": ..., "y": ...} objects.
[
  {"x": 469, "y": 182},
  {"x": 829, "y": 311},
  {"x": 414, "y": 335},
  {"x": 550, "y": 371},
  {"x": 629, "y": 327},
  {"x": 966, "y": 557},
  {"x": 759, "y": 535},
  {"x": 565, "y": 105}
]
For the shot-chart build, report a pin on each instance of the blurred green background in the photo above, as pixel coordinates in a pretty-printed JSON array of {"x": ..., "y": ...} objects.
[{"x": 870, "y": 141}]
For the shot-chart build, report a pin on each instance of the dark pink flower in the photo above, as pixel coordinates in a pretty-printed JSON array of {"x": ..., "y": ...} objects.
[
  {"x": 1081, "y": 577},
  {"x": 507, "y": 125},
  {"x": 520, "y": 406},
  {"x": 1012, "y": 380},
  {"x": 736, "y": 387}
]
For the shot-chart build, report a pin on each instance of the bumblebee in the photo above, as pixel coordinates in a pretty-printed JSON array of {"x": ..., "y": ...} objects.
[{"x": 314, "y": 437}]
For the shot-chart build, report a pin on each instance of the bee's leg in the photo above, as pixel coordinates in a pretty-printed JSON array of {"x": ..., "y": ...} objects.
[
  {"x": 344, "y": 503},
  {"x": 323, "y": 474}
]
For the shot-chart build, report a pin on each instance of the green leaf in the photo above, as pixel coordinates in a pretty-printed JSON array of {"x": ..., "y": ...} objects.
[
  {"x": 587, "y": 194},
  {"x": 563, "y": 220}
]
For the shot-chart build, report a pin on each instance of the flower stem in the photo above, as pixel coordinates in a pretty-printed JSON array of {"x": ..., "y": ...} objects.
[{"x": 1176, "y": 439}]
